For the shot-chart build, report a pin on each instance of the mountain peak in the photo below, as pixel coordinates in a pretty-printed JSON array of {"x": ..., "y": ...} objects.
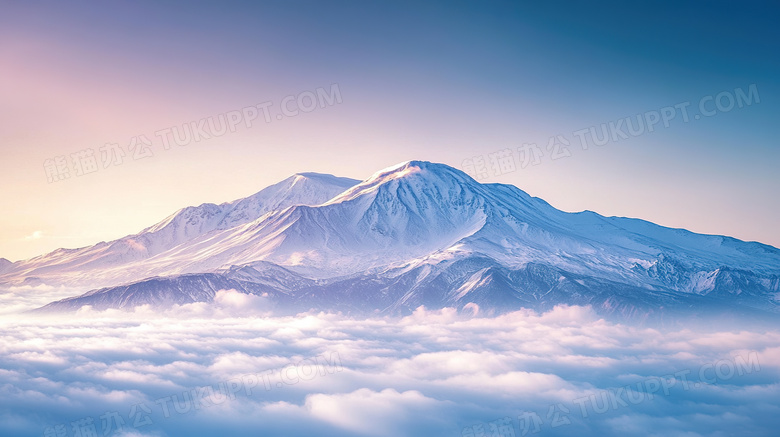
[
  {"x": 4, "y": 264},
  {"x": 398, "y": 171},
  {"x": 321, "y": 178},
  {"x": 408, "y": 167},
  {"x": 183, "y": 227},
  {"x": 407, "y": 164},
  {"x": 307, "y": 188},
  {"x": 409, "y": 173}
]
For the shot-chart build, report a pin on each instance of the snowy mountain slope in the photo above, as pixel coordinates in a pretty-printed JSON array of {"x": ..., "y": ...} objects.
[
  {"x": 401, "y": 213},
  {"x": 493, "y": 287},
  {"x": 122, "y": 260},
  {"x": 5, "y": 265},
  {"x": 163, "y": 292},
  {"x": 392, "y": 240},
  {"x": 272, "y": 282},
  {"x": 191, "y": 222},
  {"x": 460, "y": 283}
]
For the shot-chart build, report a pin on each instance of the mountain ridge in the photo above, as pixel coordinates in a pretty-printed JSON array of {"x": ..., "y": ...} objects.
[
  {"x": 421, "y": 215},
  {"x": 184, "y": 225}
]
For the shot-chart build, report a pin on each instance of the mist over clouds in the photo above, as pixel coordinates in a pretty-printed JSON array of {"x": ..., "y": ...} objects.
[{"x": 232, "y": 368}]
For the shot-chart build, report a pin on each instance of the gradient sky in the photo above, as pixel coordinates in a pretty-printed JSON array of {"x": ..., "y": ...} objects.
[{"x": 438, "y": 81}]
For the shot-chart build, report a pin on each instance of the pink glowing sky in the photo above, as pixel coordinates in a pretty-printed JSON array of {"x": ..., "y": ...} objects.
[{"x": 473, "y": 83}]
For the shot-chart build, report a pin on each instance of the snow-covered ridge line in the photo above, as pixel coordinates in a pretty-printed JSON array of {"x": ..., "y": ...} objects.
[{"x": 421, "y": 216}]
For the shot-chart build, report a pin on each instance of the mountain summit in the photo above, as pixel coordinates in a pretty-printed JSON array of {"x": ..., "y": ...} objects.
[
  {"x": 128, "y": 258},
  {"x": 417, "y": 233}
]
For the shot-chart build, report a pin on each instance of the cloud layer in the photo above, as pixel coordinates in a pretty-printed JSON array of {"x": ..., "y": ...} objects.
[{"x": 229, "y": 368}]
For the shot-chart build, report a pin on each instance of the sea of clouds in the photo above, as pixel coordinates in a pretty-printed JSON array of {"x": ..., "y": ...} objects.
[{"x": 233, "y": 368}]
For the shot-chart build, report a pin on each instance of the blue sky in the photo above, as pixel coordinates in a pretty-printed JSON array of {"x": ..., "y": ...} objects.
[{"x": 439, "y": 81}]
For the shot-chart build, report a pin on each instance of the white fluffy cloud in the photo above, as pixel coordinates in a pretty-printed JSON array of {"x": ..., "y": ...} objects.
[{"x": 231, "y": 368}]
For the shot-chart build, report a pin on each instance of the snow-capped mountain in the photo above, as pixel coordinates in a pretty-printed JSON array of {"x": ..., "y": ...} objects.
[
  {"x": 421, "y": 233},
  {"x": 134, "y": 257}
]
